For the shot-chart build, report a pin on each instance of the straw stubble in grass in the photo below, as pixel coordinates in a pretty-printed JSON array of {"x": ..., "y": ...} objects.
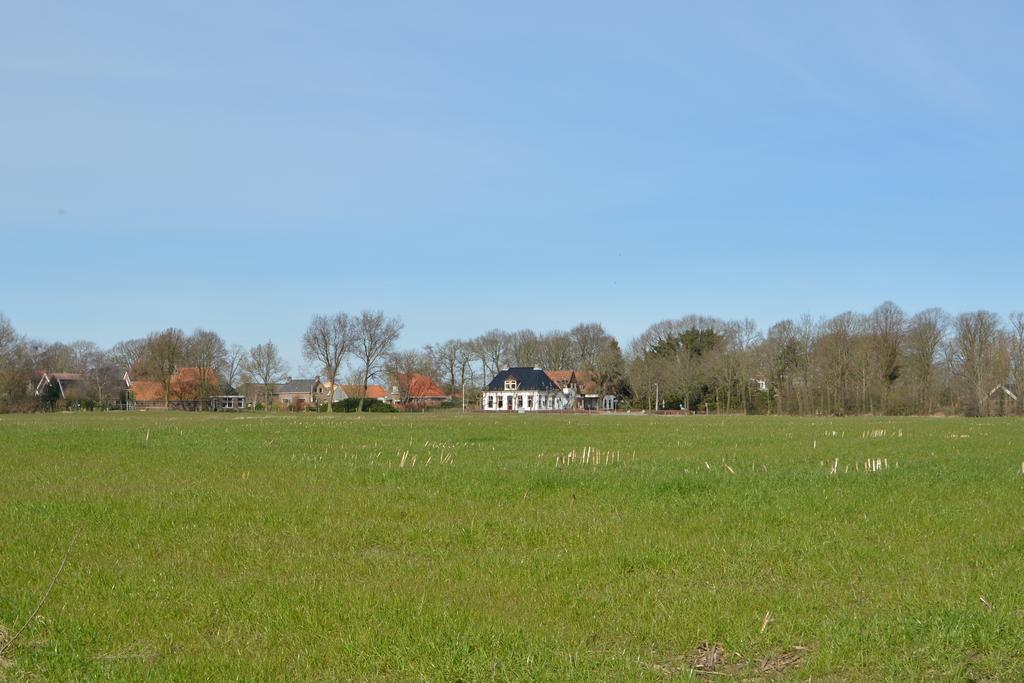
[{"x": 511, "y": 547}]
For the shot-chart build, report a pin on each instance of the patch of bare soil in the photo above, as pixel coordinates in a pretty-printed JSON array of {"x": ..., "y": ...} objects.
[
  {"x": 783, "y": 661},
  {"x": 707, "y": 658},
  {"x": 713, "y": 660}
]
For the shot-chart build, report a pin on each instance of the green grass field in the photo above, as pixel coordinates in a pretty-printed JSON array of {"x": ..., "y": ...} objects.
[{"x": 302, "y": 547}]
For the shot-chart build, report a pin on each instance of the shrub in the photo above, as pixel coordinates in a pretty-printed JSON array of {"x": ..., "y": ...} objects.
[{"x": 351, "y": 405}]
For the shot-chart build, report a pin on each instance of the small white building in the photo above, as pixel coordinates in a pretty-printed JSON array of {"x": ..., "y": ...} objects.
[{"x": 526, "y": 389}]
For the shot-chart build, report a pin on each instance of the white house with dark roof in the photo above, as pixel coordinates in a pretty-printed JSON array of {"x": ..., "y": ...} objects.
[{"x": 524, "y": 389}]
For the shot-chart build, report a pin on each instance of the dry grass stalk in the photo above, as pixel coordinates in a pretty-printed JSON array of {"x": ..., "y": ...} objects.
[{"x": 8, "y": 642}]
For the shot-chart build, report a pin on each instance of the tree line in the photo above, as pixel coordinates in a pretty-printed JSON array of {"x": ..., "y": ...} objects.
[{"x": 882, "y": 362}]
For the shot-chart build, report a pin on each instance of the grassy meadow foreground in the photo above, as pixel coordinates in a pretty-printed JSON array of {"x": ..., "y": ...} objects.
[{"x": 511, "y": 547}]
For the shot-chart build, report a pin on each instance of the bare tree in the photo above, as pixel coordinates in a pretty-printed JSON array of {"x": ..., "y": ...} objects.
[
  {"x": 610, "y": 369},
  {"x": 1016, "y": 342},
  {"x": 8, "y": 335},
  {"x": 376, "y": 335},
  {"x": 973, "y": 357},
  {"x": 57, "y": 357},
  {"x": 234, "y": 364},
  {"x": 163, "y": 354},
  {"x": 205, "y": 350},
  {"x": 327, "y": 341},
  {"x": 557, "y": 351},
  {"x": 401, "y": 367},
  {"x": 15, "y": 364},
  {"x": 84, "y": 355},
  {"x": 524, "y": 348},
  {"x": 453, "y": 363},
  {"x": 784, "y": 357},
  {"x": 492, "y": 349},
  {"x": 105, "y": 381},
  {"x": 833, "y": 358},
  {"x": 887, "y": 328},
  {"x": 128, "y": 354},
  {"x": 266, "y": 367},
  {"x": 589, "y": 339},
  {"x": 926, "y": 333}
]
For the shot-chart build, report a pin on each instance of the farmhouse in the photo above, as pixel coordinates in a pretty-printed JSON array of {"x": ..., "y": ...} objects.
[
  {"x": 102, "y": 386},
  {"x": 527, "y": 389},
  {"x": 62, "y": 385},
  {"x": 374, "y": 391},
  {"x": 189, "y": 389},
  {"x": 583, "y": 389},
  {"x": 416, "y": 391},
  {"x": 296, "y": 394},
  {"x": 1003, "y": 399}
]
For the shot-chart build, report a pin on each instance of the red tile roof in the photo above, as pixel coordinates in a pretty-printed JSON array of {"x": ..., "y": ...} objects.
[
  {"x": 561, "y": 377},
  {"x": 420, "y": 387},
  {"x": 585, "y": 379},
  {"x": 373, "y": 391},
  {"x": 146, "y": 390},
  {"x": 588, "y": 382},
  {"x": 185, "y": 385}
]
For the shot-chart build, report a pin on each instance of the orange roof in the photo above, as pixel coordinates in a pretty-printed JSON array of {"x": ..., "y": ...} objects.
[
  {"x": 560, "y": 377},
  {"x": 372, "y": 391},
  {"x": 195, "y": 375},
  {"x": 185, "y": 385},
  {"x": 187, "y": 382},
  {"x": 420, "y": 386},
  {"x": 584, "y": 379},
  {"x": 146, "y": 390}
]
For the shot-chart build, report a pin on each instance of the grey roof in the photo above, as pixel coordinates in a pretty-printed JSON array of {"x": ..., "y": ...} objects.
[
  {"x": 529, "y": 379},
  {"x": 297, "y": 386}
]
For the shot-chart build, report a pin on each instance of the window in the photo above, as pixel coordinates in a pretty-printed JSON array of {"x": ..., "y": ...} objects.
[
  {"x": 501, "y": 401},
  {"x": 510, "y": 384},
  {"x": 490, "y": 401},
  {"x": 529, "y": 401}
]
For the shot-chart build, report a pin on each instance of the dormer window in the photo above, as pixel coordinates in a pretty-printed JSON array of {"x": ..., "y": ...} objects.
[{"x": 511, "y": 384}]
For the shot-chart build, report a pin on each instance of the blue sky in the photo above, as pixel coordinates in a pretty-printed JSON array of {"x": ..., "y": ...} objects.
[{"x": 242, "y": 166}]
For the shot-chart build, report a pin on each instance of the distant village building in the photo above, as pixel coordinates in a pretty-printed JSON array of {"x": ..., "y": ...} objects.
[
  {"x": 60, "y": 385},
  {"x": 373, "y": 392},
  {"x": 228, "y": 402},
  {"x": 190, "y": 388},
  {"x": 534, "y": 389},
  {"x": 1003, "y": 399},
  {"x": 256, "y": 394},
  {"x": 416, "y": 391},
  {"x": 584, "y": 389},
  {"x": 298, "y": 394},
  {"x": 106, "y": 387},
  {"x": 525, "y": 389}
]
